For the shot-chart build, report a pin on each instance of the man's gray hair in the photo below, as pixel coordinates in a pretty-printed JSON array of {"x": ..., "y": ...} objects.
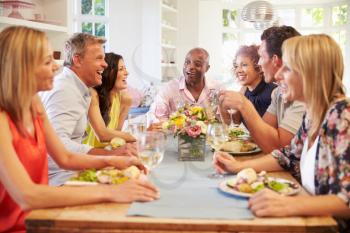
[{"x": 76, "y": 45}]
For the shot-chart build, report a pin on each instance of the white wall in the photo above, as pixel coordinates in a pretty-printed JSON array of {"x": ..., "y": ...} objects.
[
  {"x": 149, "y": 51},
  {"x": 209, "y": 33},
  {"x": 125, "y": 35},
  {"x": 188, "y": 29}
]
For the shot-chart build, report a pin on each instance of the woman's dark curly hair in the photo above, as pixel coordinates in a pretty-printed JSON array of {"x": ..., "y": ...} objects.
[
  {"x": 250, "y": 51},
  {"x": 109, "y": 76}
]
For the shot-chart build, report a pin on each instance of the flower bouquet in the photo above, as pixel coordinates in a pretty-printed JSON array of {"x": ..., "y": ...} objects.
[{"x": 189, "y": 124}]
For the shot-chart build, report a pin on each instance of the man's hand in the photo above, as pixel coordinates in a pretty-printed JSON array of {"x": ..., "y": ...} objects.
[
  {"x": 231, "y": 100},
  {"x": 155, "y": 127},
  {"x": 122, "y": 162}
]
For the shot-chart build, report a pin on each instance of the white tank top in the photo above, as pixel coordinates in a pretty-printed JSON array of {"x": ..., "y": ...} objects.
[{"x": 307, "y": 166}]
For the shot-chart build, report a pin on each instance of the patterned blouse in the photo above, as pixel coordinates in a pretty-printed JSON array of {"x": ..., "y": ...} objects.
[{"x": 332, "y": 166}]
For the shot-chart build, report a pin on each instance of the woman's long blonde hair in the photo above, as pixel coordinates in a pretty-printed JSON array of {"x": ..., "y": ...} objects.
[
  {"x": 318, "y": 60},
  {"x": 21, "y": 50}
]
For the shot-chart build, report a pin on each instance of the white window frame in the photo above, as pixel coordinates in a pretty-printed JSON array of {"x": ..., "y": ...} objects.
[
  {"x": 79, "y": 19},
  {"x": 327, "y": 27}
]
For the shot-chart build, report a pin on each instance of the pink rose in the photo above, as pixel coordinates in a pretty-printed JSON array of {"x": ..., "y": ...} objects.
[{"x": 193, "y": 131}]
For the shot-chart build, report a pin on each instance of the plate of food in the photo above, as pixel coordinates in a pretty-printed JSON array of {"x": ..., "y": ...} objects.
[
  {"x": 238, "y": 133},
  {"x": 107, "y": 175},
  {"x": 242, "y": 147},
  {"x": 247, "y": 182}
]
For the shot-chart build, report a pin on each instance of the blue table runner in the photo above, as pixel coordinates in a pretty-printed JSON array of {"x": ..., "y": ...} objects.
[{"x": 187, "y": 192}]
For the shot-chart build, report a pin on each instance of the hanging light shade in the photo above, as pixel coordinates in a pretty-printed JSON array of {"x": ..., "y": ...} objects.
[
  {"x": 257, "y": 11},
  {"x": 261, "y": 25}
]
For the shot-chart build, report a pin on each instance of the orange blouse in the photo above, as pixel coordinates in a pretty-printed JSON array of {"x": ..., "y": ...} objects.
[{"x": 31, "y": 151}]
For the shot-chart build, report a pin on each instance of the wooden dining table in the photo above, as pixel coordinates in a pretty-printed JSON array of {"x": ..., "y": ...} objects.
[{"x": 112, "y": 217}]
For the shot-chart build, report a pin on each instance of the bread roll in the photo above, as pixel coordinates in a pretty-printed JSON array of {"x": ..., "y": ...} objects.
[
  {"x": 231, "y": 146},
  {"x": 132, "y": 172},
  {"x": 247, "y": 174}
]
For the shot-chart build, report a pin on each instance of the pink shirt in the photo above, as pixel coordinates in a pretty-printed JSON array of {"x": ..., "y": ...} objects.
[{"x": 174, "y": 93}]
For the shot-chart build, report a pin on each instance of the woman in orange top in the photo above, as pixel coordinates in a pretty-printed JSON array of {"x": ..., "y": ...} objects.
[{"x": 27, "y": 67}]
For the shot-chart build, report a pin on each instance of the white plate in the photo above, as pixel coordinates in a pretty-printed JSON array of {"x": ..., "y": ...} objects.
[
  {"x": 256, "y": 150},
  {"x": 226, "y": 189},
  {"x": 80, "y": 183}
]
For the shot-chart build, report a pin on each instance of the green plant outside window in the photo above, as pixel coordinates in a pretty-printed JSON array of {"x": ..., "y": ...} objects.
[
  {"x": 93, "y": 7},
  {"x": 313, "y": 17},
  {"x": 339, "y": 15},
  {"x": 229, "y": 18}
]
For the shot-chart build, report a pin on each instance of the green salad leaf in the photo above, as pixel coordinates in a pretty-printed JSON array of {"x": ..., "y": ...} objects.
[
  {"x": 236, "y": 133},
  {"x": 88, "y": 175},
  {"x": 259, "y": 187},
  {"x": 277, "y": 186}
]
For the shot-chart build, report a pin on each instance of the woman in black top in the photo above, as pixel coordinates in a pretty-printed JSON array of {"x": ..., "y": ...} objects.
[{"x": 249, "y": 74}]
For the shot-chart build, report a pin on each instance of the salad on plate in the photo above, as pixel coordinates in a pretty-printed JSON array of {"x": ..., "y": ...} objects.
[
  {"x": 107, "y": 175},
  {"x": 247, "y": 182}
]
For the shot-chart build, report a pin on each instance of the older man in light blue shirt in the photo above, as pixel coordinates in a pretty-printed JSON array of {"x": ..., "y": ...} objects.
[{"x": 67, "y": 104}]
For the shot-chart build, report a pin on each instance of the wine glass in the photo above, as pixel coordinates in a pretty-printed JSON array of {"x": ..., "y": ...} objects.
[
  {"x": 151, "y": 148},
  {"x": 216, "y": 136},
  {"x": 232, "y": 123},
  {"x": 211, "y": 105}
]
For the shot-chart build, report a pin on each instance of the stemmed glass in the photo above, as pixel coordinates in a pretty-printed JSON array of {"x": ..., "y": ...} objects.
[
  {"x": 232, "y": 124},
  {"x": 212, "y": 104},
  {"x": 216, "y": 136},
  {"x": 151, "y": 148}
]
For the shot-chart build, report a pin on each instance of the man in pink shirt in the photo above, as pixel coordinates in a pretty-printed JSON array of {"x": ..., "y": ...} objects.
[{"x": 191, "y": 88}]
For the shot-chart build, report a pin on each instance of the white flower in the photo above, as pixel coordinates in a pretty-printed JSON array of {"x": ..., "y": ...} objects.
[
  {"x": 165, "y": 125},
  {"x": 203, "y": 126}
]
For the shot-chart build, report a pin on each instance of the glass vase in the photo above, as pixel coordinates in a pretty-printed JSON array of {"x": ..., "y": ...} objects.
[{"x": 191, "y": 149}]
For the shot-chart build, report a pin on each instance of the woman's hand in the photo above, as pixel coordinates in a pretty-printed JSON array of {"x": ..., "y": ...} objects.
[
  {"x": 225, "y": 163},
  {"x": 134, "y": 190},
  {"x": 269, "y": 203},
  {"x": 129, "y": 149},
  {"x": 127, "y": 137}
]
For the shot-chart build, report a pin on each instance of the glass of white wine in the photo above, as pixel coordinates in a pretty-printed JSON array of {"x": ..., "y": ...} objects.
[
  {"x": 151, "y": 148},
  {"x": 216, "y": 136},
  {"x": 137, "y": 123}
]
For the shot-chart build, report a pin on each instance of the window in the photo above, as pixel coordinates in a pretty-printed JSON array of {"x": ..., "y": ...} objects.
[
  {"x": 330, "y": 18},
  {"x": 339, "y": 15},
  {"x": 91, "y": 16},
  {"x": 229, "y": 18},
  {"x": 286, "y": 16},
  {"x": 230, "y": 42},
  {"x": 312, "y": 17}
]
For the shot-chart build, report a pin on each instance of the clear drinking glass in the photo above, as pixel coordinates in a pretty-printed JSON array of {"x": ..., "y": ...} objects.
[
  {"x": 151, "y": 148},
  {"x": 216, "y": 136},
  {"x": 137, "y": 123}
]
